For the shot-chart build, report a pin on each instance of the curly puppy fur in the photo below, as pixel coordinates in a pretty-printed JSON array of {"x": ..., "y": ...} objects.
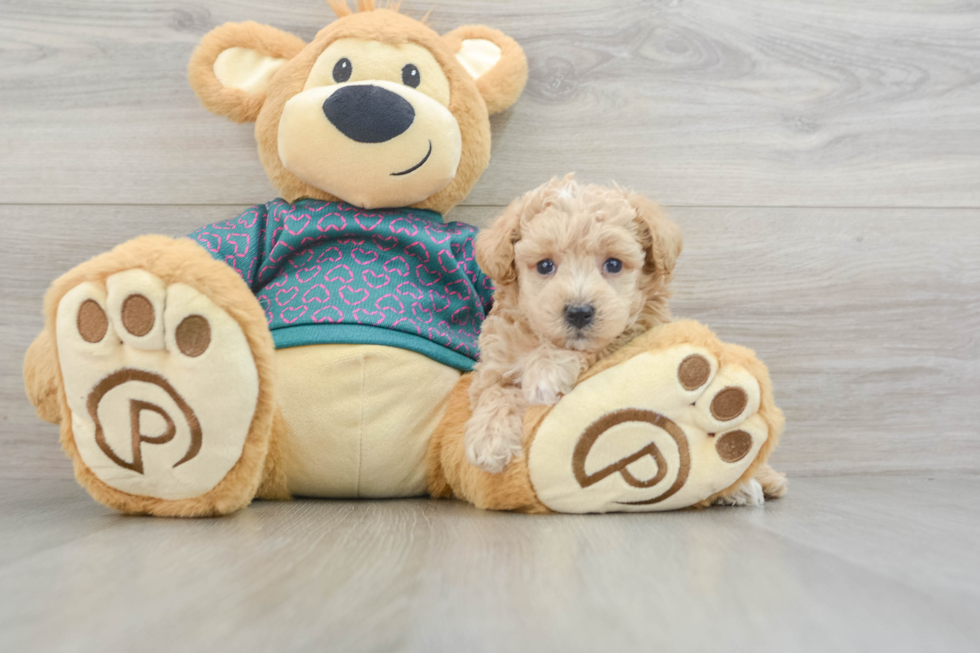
[{"x": 532, "y": 352}]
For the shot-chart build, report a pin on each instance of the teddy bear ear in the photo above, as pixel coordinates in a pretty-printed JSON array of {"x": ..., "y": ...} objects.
[
  {"x": 232, "y": 66},
  {"x": 494, "y": 60}
]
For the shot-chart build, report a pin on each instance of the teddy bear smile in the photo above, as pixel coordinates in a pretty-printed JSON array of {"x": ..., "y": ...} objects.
[{"x": 417, "y": 165}]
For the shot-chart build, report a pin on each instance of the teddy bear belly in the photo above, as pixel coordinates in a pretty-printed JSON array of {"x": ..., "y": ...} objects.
[{"x": 359, "y": 418}]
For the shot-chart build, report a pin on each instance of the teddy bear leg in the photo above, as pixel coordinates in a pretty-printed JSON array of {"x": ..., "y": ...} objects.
[
  {"x": 164, "y": 379},
  {"x": 675, "y": 419},
  {"x": 450, "y": 474},
  {"x": 41, "y": 377},
  {"x": 274, "y": 486}
]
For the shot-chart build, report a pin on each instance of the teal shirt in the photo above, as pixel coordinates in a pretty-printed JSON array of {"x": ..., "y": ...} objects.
[{"x": 327, "y": 272}]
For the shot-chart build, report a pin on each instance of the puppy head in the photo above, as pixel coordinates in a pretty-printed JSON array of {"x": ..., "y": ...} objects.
[{"x": 582, "y": 263}]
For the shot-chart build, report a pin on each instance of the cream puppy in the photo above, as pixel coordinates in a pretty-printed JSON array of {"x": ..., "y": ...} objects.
[{"x": 578, "y": 270}]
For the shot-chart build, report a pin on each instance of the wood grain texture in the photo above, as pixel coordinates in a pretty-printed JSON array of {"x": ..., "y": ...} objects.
[
  {"x": 867, "y": 319},
  {"x": 698, "y": 102},
  {"x": 860, "y": 564}
]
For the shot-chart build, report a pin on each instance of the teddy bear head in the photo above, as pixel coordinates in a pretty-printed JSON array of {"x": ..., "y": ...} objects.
[{"x": 378, "y": 111}]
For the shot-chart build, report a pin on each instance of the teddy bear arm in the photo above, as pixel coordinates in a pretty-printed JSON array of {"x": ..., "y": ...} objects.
[{"x": 243, "y": 243}]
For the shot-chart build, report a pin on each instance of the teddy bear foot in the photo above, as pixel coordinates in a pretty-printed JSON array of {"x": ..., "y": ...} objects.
[
  {"x": 163, "y": 391},
  {"x": 678, "y": 424}
]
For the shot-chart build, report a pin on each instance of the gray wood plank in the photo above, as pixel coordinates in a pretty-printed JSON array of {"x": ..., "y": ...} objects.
[
  {"x": 912, "y": 513},
  {"x": 39, "y": 516},
  {"x": 867, "y": 319},
  {"x": 698, "y": 102},
  {"x": 438, "y": 576}
]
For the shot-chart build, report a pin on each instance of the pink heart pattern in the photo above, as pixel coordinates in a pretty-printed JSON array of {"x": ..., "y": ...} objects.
[
  {"x": 329, "y": 314},
  {"x": 354, "y": 296},
  {"x": 318, "y": 293},
  {"x": 390, "y": 302},
  {"x": 290, "y": 314},
  {"x": 325, "y": 263},
  {"x": 305, "y": 275},
  {"x": 374, "y": 280}
]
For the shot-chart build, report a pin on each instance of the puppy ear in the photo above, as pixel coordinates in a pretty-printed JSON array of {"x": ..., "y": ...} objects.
[
  {"x": 232, "y": 66},
  {"x": 659, "y": 236},
  {"x": 494, "y": 60},
  {"x": 495, "y": 245}
]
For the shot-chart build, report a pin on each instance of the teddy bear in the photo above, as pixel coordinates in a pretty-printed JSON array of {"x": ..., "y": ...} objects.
[{"x": 319, "y": 345}]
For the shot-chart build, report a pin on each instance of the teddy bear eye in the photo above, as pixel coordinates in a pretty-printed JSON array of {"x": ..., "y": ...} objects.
[
  {"x": 342, "y": 70},
  {"x": 546, "y": 267},
  {"x": 411, "y": 76},
  {"x": 613, "y": 265}
]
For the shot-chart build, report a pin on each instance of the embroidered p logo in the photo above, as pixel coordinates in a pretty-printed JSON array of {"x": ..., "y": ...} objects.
[
  {"x": 625, "y": 417},
  {"x": 137, "y": 409}
]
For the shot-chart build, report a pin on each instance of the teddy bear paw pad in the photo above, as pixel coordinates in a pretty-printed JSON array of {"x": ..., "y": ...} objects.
[
  {"x": 160, "y": 382},
  {"x": 660, "y": 431}
]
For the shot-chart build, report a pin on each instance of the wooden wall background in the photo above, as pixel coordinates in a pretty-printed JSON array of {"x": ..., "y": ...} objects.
[{"x": 822, "y": 157}]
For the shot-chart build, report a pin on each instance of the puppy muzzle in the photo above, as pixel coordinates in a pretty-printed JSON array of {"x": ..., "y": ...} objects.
[{"x": 579, "y": 316}]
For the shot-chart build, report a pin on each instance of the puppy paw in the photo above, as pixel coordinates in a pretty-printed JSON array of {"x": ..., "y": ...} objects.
[
  {"x": 748, "y": 494},
  {"x": 545, "y": 382},
  {"x": 542, "y": 394},
  {"x": 774, "y": 484},
  {"x": 490, "y": 445}
]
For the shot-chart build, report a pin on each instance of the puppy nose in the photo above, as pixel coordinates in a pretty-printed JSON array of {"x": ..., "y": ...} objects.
[
  {"x": 368, "y": 114},
  {"x": 579, "y": 315}
]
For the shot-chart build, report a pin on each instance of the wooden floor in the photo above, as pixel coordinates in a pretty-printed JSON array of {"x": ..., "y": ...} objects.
[
  {"x": 883, "y": 563},
  {"x": 823, "y": 160}
]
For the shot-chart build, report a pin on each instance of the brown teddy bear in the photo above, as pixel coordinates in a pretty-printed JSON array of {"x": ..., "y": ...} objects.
[{"x": 317, "y": 345}]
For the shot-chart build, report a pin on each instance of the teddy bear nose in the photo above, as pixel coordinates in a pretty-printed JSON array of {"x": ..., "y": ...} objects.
[
  {"x": 368, "y": 114},
  {"x": 579, "y": 315}
]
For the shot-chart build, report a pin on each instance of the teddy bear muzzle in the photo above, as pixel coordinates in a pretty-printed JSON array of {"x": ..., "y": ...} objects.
[
  {"x": 374, "y": 144},
  {"x": 367, "y": 113}
]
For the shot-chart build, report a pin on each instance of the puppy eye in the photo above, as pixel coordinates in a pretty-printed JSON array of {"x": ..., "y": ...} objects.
[
  {"x": 342, "y": 70},
  {"x": 411, "y": 76},
  {"x": 546, "y": 267},
  {"x": 613, "y": 265}
]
